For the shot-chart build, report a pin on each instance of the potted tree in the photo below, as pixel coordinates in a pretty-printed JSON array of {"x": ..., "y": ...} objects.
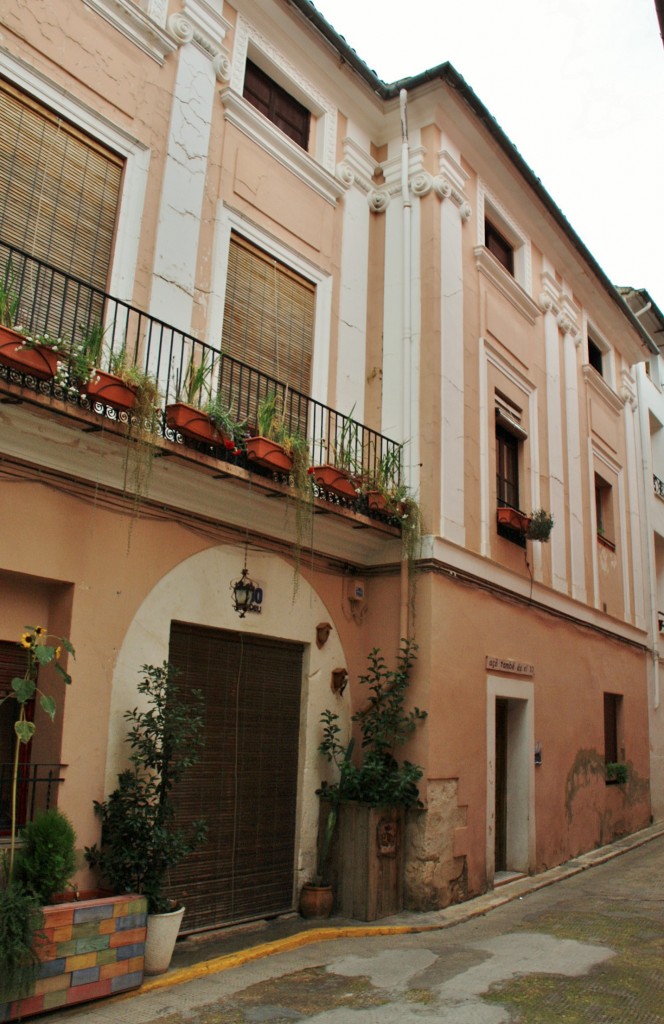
[
  {"x": 141, "y": 839},
  {"x": 372, "y": 797}
]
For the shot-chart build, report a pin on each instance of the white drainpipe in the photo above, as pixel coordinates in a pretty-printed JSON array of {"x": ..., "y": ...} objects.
[{"x": 407, "y": 425}]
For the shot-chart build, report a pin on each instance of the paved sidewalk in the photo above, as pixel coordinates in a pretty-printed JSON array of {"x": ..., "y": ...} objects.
[{"x": 304, "y": 947}]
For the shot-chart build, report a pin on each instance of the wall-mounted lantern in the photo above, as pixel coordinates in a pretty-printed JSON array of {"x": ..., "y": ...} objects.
[{"x": 247, "y": 596}]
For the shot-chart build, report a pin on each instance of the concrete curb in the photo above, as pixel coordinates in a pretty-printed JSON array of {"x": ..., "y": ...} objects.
[{"x": 435, "y": 921}]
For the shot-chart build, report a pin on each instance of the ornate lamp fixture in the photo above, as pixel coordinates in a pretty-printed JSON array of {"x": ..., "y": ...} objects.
[{"x": 247, "y": 596}]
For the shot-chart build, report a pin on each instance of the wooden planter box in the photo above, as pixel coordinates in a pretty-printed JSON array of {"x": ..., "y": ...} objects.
[
  {"x": 88, "y": 950},
  {"x": 370, "y": 861}
]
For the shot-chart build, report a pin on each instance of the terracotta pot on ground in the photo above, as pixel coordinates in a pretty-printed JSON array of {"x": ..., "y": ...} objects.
[
  {"x": 316, "y": 901},
  {"x": 38, "y": 361}
]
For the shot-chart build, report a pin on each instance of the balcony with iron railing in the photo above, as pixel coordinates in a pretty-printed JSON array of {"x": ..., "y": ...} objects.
[
  {"x": 36, "y": 790},
  {"x": 50, "y": 301}
]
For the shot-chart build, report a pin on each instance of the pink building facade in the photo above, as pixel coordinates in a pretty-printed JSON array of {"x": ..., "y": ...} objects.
[{"x": 196, "y": 177}]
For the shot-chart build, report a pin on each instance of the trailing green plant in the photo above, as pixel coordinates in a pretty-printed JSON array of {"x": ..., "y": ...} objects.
[
  {"x": 385, "y": 724},
  {"x": 46, "y": 859},
  {"x": 141, "y": 839},
  {"x": 541, "y": 524},
  {"x": 20, "y": 919},
  {"x": 9, "y": 297},
  {"x": 143, "y": 425}
]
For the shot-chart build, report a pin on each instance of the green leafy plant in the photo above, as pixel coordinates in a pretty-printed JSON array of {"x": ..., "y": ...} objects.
[
  {"x": 9, "y": 297},
  {"x": 223, "y": 417},
  {"x": 616, "y": 771},
  {"x": 46, "y": 860},
  {"x": 41, "y": 649},
  {"x": 20, "y": 914},
  {"x": 20, "y": 919},
  {"x": 140, "y": 837},
  {"x": 541, "y": 524},
  {"x": 346, "y": 448},
  {"x": 197, "y": 378},
  {"x": 86, "y": 352},
  {"x": 385, "y": 724}
]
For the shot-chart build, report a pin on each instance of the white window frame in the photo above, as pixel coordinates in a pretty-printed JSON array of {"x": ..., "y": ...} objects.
[
  {"x": 608, "y": 363},
  {"x": 135, "y": 176},
  {"x": 517, "y": 287},
  {"x": 317, "y": 166}
]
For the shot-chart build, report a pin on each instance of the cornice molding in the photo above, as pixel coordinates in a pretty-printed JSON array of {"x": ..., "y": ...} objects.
[
  {"x": 357, "y": 168},
  {"x": 598, "y": 384},
  {"x": 241, "y": 114},
  {"x": 505, "y": 283},
  {"x": 450, "y": 184},
  {"x": 553, "y": 300},
  {"x": 140, "y": 28},
  {"x": 199, "y": 24},
  {"x": 628, "y": 389}
]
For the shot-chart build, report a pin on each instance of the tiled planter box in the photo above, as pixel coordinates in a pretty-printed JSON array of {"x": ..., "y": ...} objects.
[{"x": 89, "y": 950}]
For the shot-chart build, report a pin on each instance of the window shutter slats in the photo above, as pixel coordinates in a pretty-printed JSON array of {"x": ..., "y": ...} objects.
[
  {"x": 269, "y": 315},
  {"x": 60, "y": 189}
]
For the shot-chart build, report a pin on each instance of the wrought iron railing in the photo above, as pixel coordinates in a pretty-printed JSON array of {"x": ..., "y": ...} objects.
[
  {"x": 54, "y": 302},
  {"x": 36, "y": 790},
  {"x": 658, "y": 486}
]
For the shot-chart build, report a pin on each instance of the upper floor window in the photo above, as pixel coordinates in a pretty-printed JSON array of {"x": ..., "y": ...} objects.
[
  {"x": 604, "y": 511},
  {"x": 291, "y": 116},
  {"x": 595, "y": 356},
  {"x": 59, "y": 189},
  {"x": 499, "y": 246},
  {"x": 268, "y": 315}
]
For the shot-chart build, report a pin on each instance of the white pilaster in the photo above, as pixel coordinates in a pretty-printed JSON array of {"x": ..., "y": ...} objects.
[
  {"x": 634, "y": 499},
  {"x": 452, "y": 426},
  {"x": 200, "y": 32},
  {"x": 575, "y": 459}
]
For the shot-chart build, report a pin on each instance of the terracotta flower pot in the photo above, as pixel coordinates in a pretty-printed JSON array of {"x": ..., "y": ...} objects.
[
  {"x": 107, "y": 388},
  {"x": 316, "y": 901},
  {"x": 339, "y": 481},
  {"x": 193, "y": 423},
  {"x": 268, "y": 454},
  {"x": 511, "y": 517},
  {"x": 38, "y": 361}
]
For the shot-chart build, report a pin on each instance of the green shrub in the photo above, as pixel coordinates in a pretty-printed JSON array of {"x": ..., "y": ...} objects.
[
  {"x": 20, "y": 916},
  {"x": 47, "y": 859}
]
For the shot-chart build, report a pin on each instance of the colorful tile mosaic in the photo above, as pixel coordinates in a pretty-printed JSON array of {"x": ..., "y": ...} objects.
[{"x": 90, "y": 949}]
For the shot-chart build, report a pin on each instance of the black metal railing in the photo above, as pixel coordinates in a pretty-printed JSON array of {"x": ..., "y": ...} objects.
[
  {"x": 36, "y": 789},
  {"x": 53, "y": 302},
  {"x": 658, "y": 486}
]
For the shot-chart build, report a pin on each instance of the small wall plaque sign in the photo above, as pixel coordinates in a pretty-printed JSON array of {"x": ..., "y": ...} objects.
[{"x": 519, "y": 668}]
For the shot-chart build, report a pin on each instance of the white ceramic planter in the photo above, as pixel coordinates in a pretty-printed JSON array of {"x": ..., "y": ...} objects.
[{"x": 160, "y": 942}]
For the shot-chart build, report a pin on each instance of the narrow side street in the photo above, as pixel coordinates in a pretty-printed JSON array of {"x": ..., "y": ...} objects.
[{"x": 586, "y": 950}]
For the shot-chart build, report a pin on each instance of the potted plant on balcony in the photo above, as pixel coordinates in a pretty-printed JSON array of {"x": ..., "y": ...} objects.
[
  {"x": 541, "y": 524},
  {"x": 141, "y": 839},
  {"x": 372, "y": 797},
  {"x": 270, "y": 446},
  {"x": 342, "y": 474},
  {"x": 186, "y": 414},
  {"x": 20, "y": 903},
  {"x": 512, "y": 518}
]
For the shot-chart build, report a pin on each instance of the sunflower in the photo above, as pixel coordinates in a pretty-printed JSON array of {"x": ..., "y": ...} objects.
[{"x": 26, "y": 640}]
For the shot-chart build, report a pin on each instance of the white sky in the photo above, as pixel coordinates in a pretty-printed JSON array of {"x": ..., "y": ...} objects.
[{"x": 576, "y": 85}]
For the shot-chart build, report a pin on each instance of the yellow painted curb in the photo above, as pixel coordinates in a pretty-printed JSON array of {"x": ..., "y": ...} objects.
[{"x": 225, "y": 963}]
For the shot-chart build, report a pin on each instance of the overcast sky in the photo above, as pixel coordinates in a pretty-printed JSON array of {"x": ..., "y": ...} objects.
[{"x": 576, "y": 85}]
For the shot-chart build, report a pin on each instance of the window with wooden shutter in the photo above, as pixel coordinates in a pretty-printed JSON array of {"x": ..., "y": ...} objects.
[
  {"x": 287, "y": 113},
  {"x": 59, "y": 189},
  {"x": 268, "y": 315}
]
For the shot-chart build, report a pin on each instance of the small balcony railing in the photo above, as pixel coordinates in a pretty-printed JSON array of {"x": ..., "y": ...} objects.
[
  {"x": 658, "y": 486},
  {"x": 36, "y": 791},
  {"x": 53, "y": 302}
]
